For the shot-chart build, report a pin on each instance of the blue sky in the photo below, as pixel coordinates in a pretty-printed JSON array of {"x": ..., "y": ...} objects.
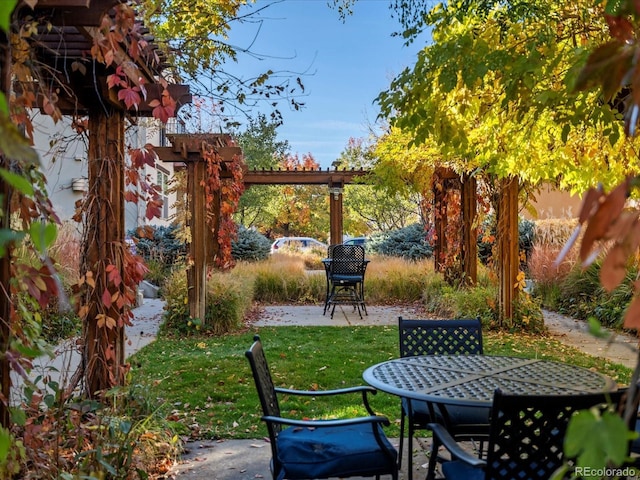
[{"x": 346, "y": 66}]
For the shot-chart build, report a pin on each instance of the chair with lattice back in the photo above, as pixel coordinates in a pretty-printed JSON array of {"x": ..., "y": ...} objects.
[
  {"x": 314, "y": 449},
  {"x": 526, "y": 436},
  {"x": 345, "y": 275},
  {"x": 440, "y": 337}
]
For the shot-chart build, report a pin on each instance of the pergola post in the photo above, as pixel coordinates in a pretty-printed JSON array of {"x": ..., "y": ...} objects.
[
  {"x": 103, "y": 250},
  {"x": 335, "y": 213},
  {"x": 197, "y": 270},
  {"x": 508, "y": 246},
  {"x": 469, "y": 233},
  {"x": 439, "y": 223},
  {"x": 204, "y": 219}
]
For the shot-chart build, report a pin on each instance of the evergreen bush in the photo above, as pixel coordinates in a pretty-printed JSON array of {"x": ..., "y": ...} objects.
[
  {"x": 410, "y": 242},
  {"x": 161, "y": 250},
  {"x": 250, "y": 245}
]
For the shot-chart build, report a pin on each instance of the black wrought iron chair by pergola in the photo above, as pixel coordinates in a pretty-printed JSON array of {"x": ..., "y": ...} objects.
[
  {"x": 345, "y": 277},
  {"x": 440, "y": 337},
  {"x": 526, "y": 437},
  {"x": 314, "y": 449}
]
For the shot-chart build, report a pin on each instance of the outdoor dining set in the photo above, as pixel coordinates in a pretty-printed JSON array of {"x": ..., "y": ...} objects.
[{"x": 512, "y": 411}]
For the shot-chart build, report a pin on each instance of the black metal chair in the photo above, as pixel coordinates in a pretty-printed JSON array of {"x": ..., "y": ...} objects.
[
  {"x": 440, "y": 337},
  {"x": 311, "y": 449},
  {"x": 345, "y": 270},
  {"x": 526, "y": 437}
]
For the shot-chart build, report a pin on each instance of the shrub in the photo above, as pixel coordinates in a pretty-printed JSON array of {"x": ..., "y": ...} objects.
[
  {"x": 582, "y": 296},
  {"x": 284, "y": 279},
  {"x": 410, "y": 242},
  {"x": 396, "y": 279},
  {"x": 161, "y": 250},
  {"x": 124, "y": 438},
  {"x": 250, "y": 245},
  {"x": 229, "y": 298},
  {"x": 487, "y": 237},
  {"x": 554, "y": 231},
  {"x": 446, "y": 301}
]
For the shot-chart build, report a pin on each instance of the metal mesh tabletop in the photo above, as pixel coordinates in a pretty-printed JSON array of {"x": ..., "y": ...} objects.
[{"x": 472, "y": 379}]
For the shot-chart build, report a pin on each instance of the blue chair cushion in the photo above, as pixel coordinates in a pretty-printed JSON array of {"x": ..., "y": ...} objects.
[
  {"x": 457, "y": 469},
  {"x": 345, "y": 278},
  {"x": 460, "y": 470},
  {"x": 458, "y": 415},
  {"x": 419, "y": 412},
  {"x": 332, "y": 452}
]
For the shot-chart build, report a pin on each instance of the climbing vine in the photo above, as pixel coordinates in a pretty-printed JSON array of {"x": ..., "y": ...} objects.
[{"x": 222, "y": 199}]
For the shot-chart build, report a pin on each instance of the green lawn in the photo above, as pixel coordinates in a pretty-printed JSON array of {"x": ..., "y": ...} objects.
[{"x": 205, "y": 386}]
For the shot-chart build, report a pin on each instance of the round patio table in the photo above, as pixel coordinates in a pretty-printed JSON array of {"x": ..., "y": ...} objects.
[{"x": 471, "y": 380}]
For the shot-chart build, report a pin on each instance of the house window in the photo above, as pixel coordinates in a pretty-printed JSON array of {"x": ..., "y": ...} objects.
[{"x": 162, "y": 180}]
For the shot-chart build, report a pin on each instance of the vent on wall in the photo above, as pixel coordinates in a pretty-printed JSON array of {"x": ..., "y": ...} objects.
[{"x": 80, "y": 184}]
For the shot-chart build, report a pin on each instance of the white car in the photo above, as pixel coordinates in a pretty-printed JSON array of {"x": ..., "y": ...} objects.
[
  {"x": 299, "y": 244},
  {"x": 356, "y": 241}
]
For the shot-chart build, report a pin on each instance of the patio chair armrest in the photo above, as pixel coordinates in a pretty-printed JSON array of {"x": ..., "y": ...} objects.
[
  {"x": 364, "y": 389},
  {"x": 319, "y": 393},
  {"x": 441, "y": 436},
  {"x": 327, "y": 423}
]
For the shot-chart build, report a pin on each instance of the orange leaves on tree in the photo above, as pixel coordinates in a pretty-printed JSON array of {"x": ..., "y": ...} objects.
[
  {"x": 106, "y": 298},
  {"x": 228, "y": 192},
  {"x": 39, "y": 283},
  {"x": 621, "y": 28}
]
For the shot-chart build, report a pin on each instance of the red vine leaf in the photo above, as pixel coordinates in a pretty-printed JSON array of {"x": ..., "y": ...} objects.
[
  {"x": 613, "y": 268},
  {"x": 606, "y": 213},
  {"x": 590, "y": 203},
  {"x": 632, "y": 315},
  {"x": 620, "y": 28},
  {"x": 130, "y": 96},
  {"x": 106, "y": 298}
]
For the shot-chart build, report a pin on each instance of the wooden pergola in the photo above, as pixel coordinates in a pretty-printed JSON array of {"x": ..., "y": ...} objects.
[
  {"x": 335, "y": 180},
  {"x": 73, "y": 29},
  {"x": 188, "y": 150},
  {"x": 507, "y": 232}
]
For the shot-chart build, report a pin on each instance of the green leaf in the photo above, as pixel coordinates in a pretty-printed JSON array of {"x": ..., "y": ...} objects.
[
  {"x": 14, "y": 145},
  {"x": 4, "y": 106},
  {"x": 8, "y": 236},
  {"x": 18, "y": 182},
  {"x": 6, "y": 8},
  {"x": 597, "y": 440},
  {"x": 595, "y": 328},
  {"x": 43, "y": 235},
  {"x": 19, "y": 417}
]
